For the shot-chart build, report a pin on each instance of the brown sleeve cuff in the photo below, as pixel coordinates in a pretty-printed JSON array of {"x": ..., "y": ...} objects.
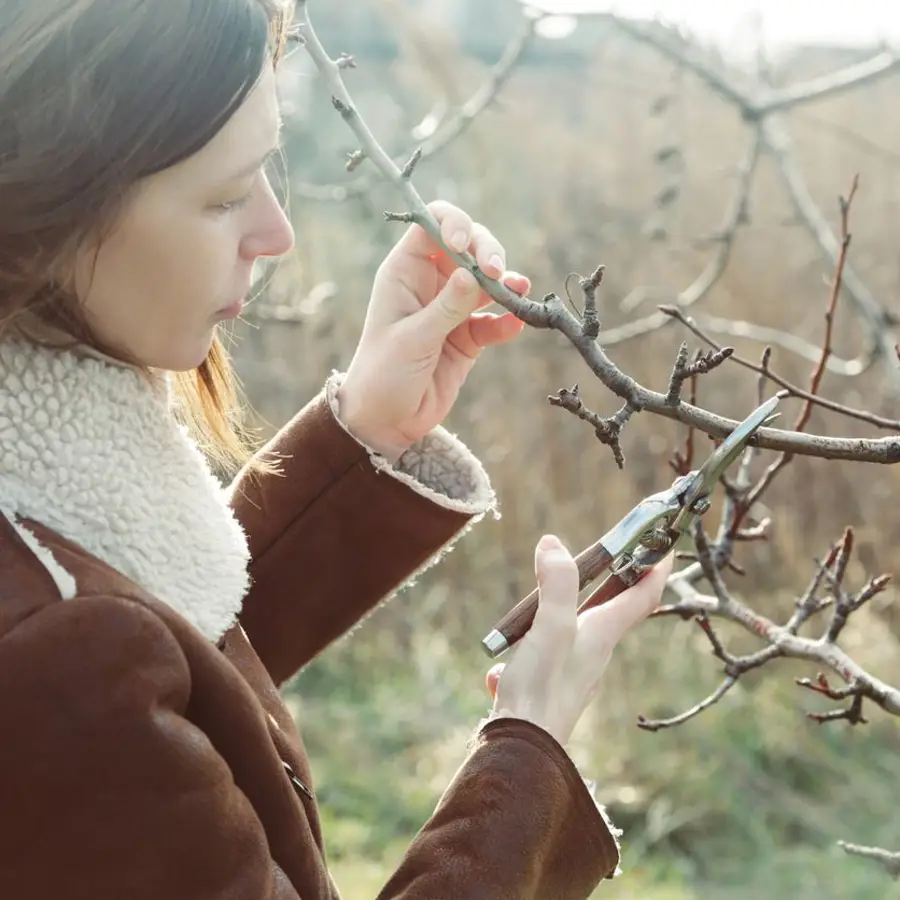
[
  {"x": 593, "y": 827},
  {"x": 516, "y": 821}
]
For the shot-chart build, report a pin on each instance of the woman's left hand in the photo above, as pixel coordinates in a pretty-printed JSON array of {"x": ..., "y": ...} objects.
[{"x": 423, "y": 332}]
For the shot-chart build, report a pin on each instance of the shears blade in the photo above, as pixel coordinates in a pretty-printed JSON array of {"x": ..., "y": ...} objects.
[{"x": 719, "y": 461}]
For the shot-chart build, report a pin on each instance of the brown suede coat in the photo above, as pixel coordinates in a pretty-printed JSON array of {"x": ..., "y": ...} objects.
[{"x": 140, "y": 761}]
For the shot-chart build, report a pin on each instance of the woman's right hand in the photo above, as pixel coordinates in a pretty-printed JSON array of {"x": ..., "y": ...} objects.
[{"x": 556, "y": 668}]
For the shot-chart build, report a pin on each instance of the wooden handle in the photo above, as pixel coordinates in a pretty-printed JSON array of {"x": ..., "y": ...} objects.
[
  {"x": 515, "y": 624},
  {"x": 611, "y": 587}
]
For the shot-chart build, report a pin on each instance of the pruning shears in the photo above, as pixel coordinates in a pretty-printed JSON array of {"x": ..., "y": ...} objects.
[{"x": 643, "y": 537}]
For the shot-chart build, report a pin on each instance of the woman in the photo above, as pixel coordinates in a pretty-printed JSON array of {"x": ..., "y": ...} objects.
[{"x": 147, "y": 619}]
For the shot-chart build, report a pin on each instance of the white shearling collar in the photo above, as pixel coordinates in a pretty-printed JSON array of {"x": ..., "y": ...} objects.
[{"x": 91, "y": 450}]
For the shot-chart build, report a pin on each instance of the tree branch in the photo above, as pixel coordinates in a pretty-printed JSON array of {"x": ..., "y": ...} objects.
[
  {"x": 450, "y": 129},
  {"x": 835, "y": 82},
  {"x": 735, "y": 216},
  {"x": 850, "y": 368},
  {"x": 787, "y": 645},
  {"x": 890, "y": 861},
  {"x": 862, "y": 415},
  {"x": 777, "y": 145},
  {"x": 877, "y": 319},
  {"x": 552, "y": 313}
]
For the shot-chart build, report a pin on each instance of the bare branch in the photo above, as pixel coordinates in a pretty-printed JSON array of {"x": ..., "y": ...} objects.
[
  {"x": 852, "y": 713},
  {"x": 848, "y": 368},
  {"x": 607, "y": 430},
  {"x": 590, "y": 320},
  {"x": 816, "y": 377},
  {"x": 682, "y": 370},
  {"x": 735, "y": 666},
  {"x": 682, "y": 460},
  {"x": 780, "y": 641},
  {"x": 829, "y": 656},
  {"x": 776, "y": 143},
  {"x": 878, "y": 321},
  {"x": 736, "y": 216},
  {"x": 847, "y": 604},
  {"x": 890, "y": 861},
  {"x": 809, "y": 603},
  {"x": 863, "y": 415},
  {"x": 773, "y": 100},
  {"x": 451, "y": 129},
  {"x": 658, "y": 724},
  {"x": 807, "y": 91},
  {"x": 685, "y": 56}
]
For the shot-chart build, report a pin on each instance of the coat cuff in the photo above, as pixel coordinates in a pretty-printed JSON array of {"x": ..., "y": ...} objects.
[
  {"x": 598, "y": 823},
  {"x": 439, "y": 467}
]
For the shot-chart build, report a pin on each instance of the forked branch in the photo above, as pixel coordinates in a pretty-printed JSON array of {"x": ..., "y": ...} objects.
[{"x": 551, "y": 312}]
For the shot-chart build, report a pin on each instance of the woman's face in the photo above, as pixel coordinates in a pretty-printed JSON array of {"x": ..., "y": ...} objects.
[{"x": 181, "y": 258}]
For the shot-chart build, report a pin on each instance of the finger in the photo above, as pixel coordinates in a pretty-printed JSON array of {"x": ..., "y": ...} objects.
[
  {"x": 488, "y": 329},
  {"x": 452, "y": 306},
  {"x": 517, "y": 282},
  {"x": 492, "y": 679},
  {"x": 555, "y": 621},
  {"x": 633, "y": 605},
  {"x": 488, "y": 251},
  {"x": 455, "y": 228}
]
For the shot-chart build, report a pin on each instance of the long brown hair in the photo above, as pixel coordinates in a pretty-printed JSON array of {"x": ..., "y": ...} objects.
[{"x": 94, "y": 96}]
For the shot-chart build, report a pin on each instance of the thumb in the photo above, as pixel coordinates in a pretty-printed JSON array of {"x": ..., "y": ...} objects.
[{"x": 456, "y": 301}]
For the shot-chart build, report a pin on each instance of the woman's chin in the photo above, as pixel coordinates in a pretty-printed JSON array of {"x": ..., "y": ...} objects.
[{"x": 185, "y": 358}]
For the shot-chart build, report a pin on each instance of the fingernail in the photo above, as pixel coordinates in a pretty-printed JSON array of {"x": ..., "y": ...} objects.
[
  {"x": 459, "y": 241},
  {"x": 549, "y": 542},
  {"x": 495, "y": 262},
  {"x": 468, "y": 283}
]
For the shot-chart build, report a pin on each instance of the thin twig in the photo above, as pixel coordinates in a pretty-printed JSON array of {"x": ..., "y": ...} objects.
[
  {"x": 607, "y": 429},
  {"x": 682, "y": 460},
  {"x": 877, "y": 319},
  {"x": 890, "y": 861},
  {"x": 816, "y": 377},
  {"x": 658, "y": 724},
  {"x": 726, "y": 236},
  {"x": 764, "y": 369},
  {"x": 829, "y": 656},
  {"x": 450, "y": 130},
  {"x": 846, "y": 368}
]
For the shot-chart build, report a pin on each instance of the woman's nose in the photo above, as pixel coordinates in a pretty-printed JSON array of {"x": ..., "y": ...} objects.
[{"x": 272, "y": 233}]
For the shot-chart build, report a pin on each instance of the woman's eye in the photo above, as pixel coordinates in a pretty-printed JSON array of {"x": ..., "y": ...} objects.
[{"x": 232, "y": 205}]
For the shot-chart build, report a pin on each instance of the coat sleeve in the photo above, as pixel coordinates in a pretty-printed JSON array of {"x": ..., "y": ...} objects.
[
  {"x": 107, "y": 790},
  {"x": 339, "y": 529},
  {"x": 110, "y": 791},
  {"x": 516, "y": 821}
]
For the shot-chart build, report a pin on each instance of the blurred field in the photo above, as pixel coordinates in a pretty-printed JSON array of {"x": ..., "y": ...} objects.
[{"x": 750, "y": 798}]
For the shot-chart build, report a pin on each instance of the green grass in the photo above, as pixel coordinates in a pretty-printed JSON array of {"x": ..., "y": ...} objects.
[
  {"x": 794, "y": 875},
  {"x": 743, "y": 802}
]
